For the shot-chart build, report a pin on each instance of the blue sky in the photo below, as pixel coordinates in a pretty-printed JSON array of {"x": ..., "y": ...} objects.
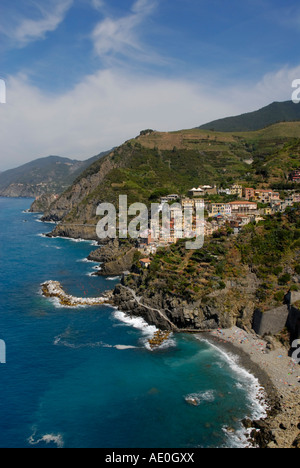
[{"x": 85, "y": 75}]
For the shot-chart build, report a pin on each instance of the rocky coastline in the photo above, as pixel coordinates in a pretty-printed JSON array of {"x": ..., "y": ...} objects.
[
  {"x": 170, "y": 313},
  {"x": 53, "y": 289},
  {"x": 266, "y": 359}
]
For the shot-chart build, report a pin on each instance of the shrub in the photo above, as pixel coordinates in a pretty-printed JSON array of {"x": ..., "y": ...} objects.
[
  {"x": 277, "y": 270},
  {"x": 279, "y": 296},
  {"x": 297, "y": 269},
  {"x": 284, "y": 279}
]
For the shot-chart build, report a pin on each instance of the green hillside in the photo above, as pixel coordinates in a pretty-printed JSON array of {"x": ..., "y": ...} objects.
[
  {"x": 269, "y": 115},
  {"x": 155, "y": 164}
]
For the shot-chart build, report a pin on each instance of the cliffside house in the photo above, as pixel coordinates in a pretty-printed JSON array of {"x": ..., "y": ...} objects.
[
  {"x": 196, "y": 192},
  {"x": 249, "y": 193},
  {"x": 243, "y": 207},
  {"x": 295, "y": 176},
  {"x": 236, "y": 190},
  {"x": 145, "y": 262},
  {"x": 265, "y": 196}
]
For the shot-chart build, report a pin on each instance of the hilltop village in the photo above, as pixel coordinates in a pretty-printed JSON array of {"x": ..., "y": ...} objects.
[{"x": 227, "y": 209}]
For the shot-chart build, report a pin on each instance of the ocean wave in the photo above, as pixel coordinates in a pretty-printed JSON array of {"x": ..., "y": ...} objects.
[
  {"x": 61, "y": 341},
  {"x": 147, "y": 330},
  {"x": 56, "y": 439},
  {"x": 256, "y": 393},
  {"x": 91, "y": 274},
  {"x": 136, "y": 322},
  {"x": 85, "y": 260},
  {"x": 113, "y": 278},
  {"x": 73, "y": 239},
  {"x": 197, "y": 398},
  {"x": 237, "y": 438}
]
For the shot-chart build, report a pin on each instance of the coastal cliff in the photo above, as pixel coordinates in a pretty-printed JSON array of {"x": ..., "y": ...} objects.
[
  {"x": 115, "y": 256},
  {"x": 229, "y": 307}
]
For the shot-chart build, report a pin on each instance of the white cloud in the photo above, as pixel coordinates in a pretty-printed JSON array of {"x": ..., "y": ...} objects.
[
  {"x": 109, "y": 107},
  {"x": 120, "y": 35},
  {"x": 22, "y": 30}
]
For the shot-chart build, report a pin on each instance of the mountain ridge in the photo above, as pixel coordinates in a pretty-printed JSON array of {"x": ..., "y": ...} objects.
[
  {"x": 159, "y": 163},
  {"x": 275, "y": 112},
  {"x": 51, "y": 174}
]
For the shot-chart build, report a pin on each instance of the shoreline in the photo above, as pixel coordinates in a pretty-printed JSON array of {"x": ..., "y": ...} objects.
[{"x": 277, "y": 374}]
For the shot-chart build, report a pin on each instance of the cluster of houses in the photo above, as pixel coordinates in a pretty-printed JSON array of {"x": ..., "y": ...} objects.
[
  {"x": 295, "y": 176},
  {"x": 250, "y": 205}
]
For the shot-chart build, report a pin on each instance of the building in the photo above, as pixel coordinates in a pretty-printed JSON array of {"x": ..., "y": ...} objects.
[
  {"x": 209, "y": 190},
  {"x": 169, "y": 198},
  {"x": 295, "y": 176},
  {"x": 236, "y": 190},
  {"x": 188, "y": 203},
  {"x": 199, "y": 204},
  {"x": 223, "y": 209},
  {"x": 196, "y": 192},
  {"x": 296, "y": 197},
  {"x": 243, "y": 207},
  {"x": 145, "y": 262},
  {"x": 249, "y": 193},
  {"x": 266, "y": 196},
  {"x": 225, "y": 191}
]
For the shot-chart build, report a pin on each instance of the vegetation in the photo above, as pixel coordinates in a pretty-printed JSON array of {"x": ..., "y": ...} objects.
[
  {"x": 271, "y": 250},
  {"x": 275, "y": 112}
]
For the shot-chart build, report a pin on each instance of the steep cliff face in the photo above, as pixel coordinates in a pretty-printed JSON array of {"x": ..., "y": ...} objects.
[
  {"x": 115, "y": 256},
  {"x": 80, "y": 190},
  {"x": 196, "y": 290},
  {"x": 230, "y": 307},
  {"x": 43, "y": 203}
]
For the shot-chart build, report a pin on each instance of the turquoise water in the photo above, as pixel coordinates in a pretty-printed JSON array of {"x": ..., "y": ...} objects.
[{"x": 85, "y": 377}]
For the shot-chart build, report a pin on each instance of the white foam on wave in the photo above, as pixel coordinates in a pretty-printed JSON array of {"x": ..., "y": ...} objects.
[
  {"x": 73, "y": 239},
  {"x": 85, "y": 260},
  {"x": 56, "y": 439},
  {"x": 113, "y": 278},
  {"x": 136, "y": 322},
  {"x": 147, "y": 330},
  {"x": 256, "y": 392},
  {"x": 56, "y": 303},
  {"x": 200, "y": 397},
  {"x": 60, "y": 340}
]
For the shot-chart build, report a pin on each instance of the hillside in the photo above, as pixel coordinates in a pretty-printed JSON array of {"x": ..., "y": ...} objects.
[
  {"x": 51, "y": 174},
  {"x": 269, "y": 115},
  {"x": 223, "y": 283},
  {"x": 155, "y": 164}
]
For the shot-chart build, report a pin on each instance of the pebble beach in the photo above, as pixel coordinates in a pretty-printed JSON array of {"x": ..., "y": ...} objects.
[{"x": 278, "y": 373}]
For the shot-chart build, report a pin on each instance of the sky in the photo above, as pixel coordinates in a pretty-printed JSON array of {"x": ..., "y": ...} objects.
[{"x": 83, "y": 76}]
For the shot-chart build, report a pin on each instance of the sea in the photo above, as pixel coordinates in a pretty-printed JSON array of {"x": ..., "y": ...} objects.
[{"x": 86, "y": 377}]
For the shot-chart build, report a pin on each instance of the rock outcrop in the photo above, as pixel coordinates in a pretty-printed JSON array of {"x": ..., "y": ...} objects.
[
  {"x": 116, "y": 257},
  {"x": 172, "y": 312},
  {"x": 54, "y": 289}
]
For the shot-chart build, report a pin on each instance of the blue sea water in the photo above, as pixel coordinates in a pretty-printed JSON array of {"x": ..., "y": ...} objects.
[{"x": 85, "y": 377}]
